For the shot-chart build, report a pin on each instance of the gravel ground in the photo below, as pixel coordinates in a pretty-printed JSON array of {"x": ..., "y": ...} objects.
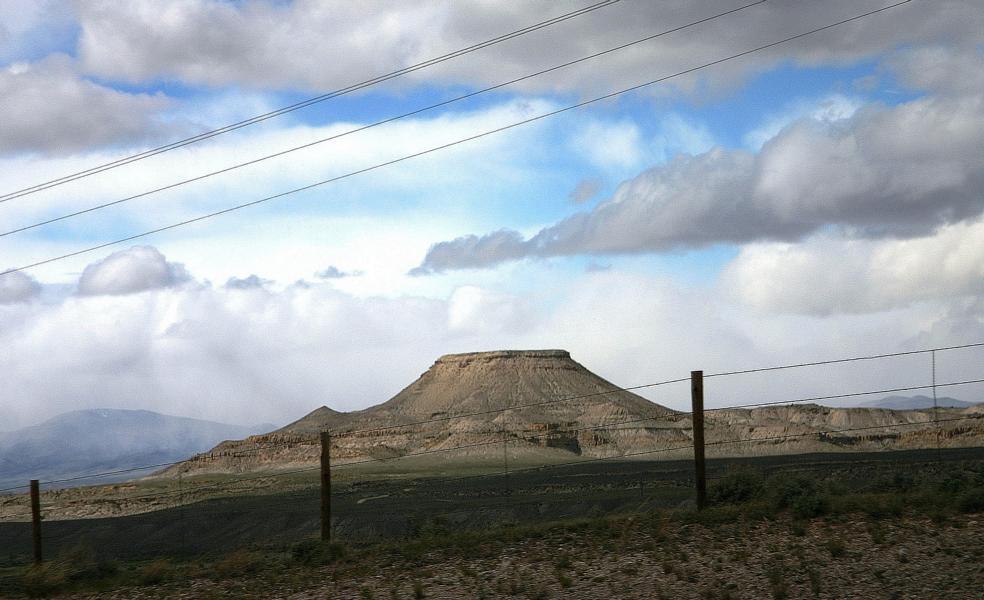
[{"x": 853, "y": 557}]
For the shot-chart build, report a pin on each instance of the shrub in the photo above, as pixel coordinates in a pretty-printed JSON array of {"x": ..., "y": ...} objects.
[
  {"x": 316, "y": 552},
  {"x": 777, "y": 581},
  {"x": 799, "y": 495},
  {"x": 736, "y": 488},
  {"x": 44, "y": 579},
  {"x": 809, "y": 505},
  {"x": 155, "y": 572},
  {"x": 71, "y": 566},
  {"x": 237, "y": 564},
  {"x": 972, "y": 501},
  {"x": 899, "y": 481},
  {"x": 880, "y": 507},
  {"x": 836, "y": 547}
]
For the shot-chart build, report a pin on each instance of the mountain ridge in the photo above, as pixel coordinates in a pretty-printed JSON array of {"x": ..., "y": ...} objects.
[{"x": 81, "y": 442}]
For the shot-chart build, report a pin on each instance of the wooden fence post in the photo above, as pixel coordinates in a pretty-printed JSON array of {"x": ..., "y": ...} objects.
[
  {"x": 697, "y": 414},
  {"x": 36, "y": 519},
  {"x": 505, "y": 467},
  {"x": 325, "y": 486}
]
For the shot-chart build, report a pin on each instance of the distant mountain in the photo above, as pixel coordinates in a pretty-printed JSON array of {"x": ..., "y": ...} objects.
[
  {"x": 87, "y": 441},
  {"x": 914, "y": 403}
]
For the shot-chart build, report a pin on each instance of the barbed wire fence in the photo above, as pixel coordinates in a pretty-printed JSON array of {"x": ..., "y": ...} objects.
[{"x": 497, "y": 493}]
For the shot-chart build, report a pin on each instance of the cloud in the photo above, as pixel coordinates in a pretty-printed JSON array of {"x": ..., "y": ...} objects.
[
  {"x": 18, "y": 287},
  {"x": 472, "y": 251},
  {"x": 611, "y": 146},
  {"x": 213, "y": 43},
  {"x": 218, "y": 353},
  {"x": 948, "y": 70},
  {"x": 136, "y": 269},
  {"x": 428, "y": 179},
  {"x": 585, "y": 190},
  {"x": 472, "y": 309},
  {"x": 899, "y": 171},
  {"x": 31, "y": 29},
  {"x": 333, "y": 272},
  {"x": 830, "y": 109},
  {"x": 678, "y": 135},
  {"x": 825, "y": 276},
  {"x": 51, "y": 97},
  {"x": 247, "y": 283},
  {"x": 217, "y": 44}
]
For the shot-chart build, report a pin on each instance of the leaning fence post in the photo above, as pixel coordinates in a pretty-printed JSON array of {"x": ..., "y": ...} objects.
[
  {"x": 697, "y": 414},
  {"x": 36, "y": 519},
  {"x": 326, "y": 486}
]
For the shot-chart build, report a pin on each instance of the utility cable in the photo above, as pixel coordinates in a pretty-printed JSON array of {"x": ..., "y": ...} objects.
[
  {"x": 299, "y": 105},
  {"x": 456, "y": 142},
  {"x": 370, "y": 125},
  {"x": 843, "y": 360}
]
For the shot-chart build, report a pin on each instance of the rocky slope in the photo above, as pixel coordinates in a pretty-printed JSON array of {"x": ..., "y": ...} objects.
[{"x": 563, "y": 409}]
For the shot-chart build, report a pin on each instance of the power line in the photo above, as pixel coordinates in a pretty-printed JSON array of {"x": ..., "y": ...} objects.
[
  {"x": 842, "y": 360},
  {"x": 455, "y": 143},
  {"x": 372, "y": 125},
  {"x": 299, "y": 105}
]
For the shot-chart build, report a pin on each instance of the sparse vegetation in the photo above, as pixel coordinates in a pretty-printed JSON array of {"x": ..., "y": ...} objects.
[
  {"x": 836, "y": 547},
  {"x": 155, "y": 572},
  {"x": 73, "y": 568},
  {"x": 810, "y": 515}
]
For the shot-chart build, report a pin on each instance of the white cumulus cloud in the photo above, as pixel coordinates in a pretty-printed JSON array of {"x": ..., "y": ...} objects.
[
  {"x": 18, "y": 287},
  {"x": 833, "y": 276},
  {"x": 136, "y": 269}
]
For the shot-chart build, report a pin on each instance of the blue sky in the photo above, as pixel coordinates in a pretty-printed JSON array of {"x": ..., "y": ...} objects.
[{"x": 793, "y": 201}]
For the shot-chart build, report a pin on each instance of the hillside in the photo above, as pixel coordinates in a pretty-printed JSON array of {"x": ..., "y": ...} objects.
[
  {"x": 563, "y": 411},
  {"x": 86, "y": 441}
]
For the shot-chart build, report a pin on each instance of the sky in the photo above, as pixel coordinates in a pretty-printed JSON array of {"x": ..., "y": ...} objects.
[{"x": 817, "y": 199}]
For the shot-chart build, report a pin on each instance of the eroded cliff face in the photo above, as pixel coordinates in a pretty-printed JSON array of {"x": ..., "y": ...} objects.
[{"x": 560, "y": 407}]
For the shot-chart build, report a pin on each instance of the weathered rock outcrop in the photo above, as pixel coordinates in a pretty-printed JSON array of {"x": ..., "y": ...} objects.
[{"x": 558, "y": 407}]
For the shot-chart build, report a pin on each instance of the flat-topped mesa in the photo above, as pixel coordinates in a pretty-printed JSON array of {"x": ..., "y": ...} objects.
[
  {"x": 560, "y": 389},
  {"x": 550, "y": 406}
]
